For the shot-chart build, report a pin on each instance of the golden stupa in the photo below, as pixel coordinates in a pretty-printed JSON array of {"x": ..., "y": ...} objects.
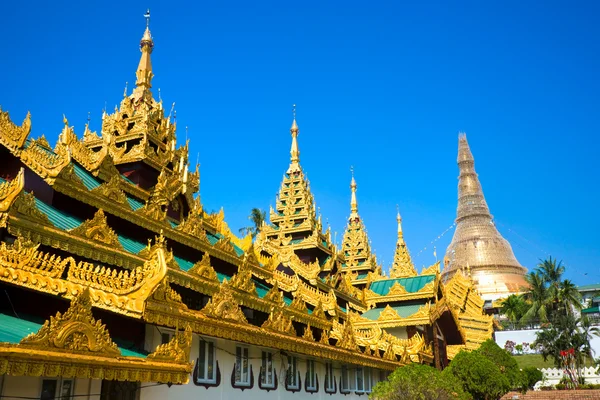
[{"x": 477, "y": 247}]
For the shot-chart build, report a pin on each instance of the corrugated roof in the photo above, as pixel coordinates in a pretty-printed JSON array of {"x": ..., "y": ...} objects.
[
  {"x": 13, "y": 330},
  {"x": 412, "y": 284},
  {"x": 131, "y": 245},
  {"x": 595, "y": 286},
  {"x": 135, "y": 204},
  {"x": 88, "y": 179},
  {"x": 403, "y": 310},
  {"x": 58, "y": 218},
  {"x": 591, "y": 310}
]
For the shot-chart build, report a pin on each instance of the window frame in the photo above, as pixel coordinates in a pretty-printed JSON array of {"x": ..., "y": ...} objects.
[
  {"x": 366, "y": 378},
  {"x": 242, "y": 357},
  {"x": 203, "y": 363},
  {"x": 330, "y": 383},
  {"x": 293, "y": 374},
  {"x": 311, "y": 382},
  {"x": 58, "y": 390},
  {"x": 267, "y": 371}
]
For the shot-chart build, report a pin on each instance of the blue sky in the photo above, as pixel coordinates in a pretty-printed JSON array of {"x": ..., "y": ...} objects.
[{"x": 384, "y": 87}]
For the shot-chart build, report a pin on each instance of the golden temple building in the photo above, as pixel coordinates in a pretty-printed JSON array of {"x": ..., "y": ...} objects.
[
  {"x": 120, "y": 286},
  {"x": 477, "y": 248}
]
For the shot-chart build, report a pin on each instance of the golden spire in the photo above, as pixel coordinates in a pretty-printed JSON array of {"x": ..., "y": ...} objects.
[
  {"x": 294, "y": 152},
  {"x": 144, "y": 72},
  {"x": 353, "y": 202},
  {"x": 403, "y": 266},
  {"x": 399, "y": 220}
]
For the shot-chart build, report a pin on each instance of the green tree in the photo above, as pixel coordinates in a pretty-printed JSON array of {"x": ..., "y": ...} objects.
[
  {"x": 479, "y": 376},
  {"x": 538, "y": 298},
  {"x": 569, "y": 297},
  {"x": 416, "y": 381},
  {"x": 531, "y": 376},
  {"x": 505, "y": 362},
  {"x": 513, "y": 307},
  {"x": 257, "y": 217}
]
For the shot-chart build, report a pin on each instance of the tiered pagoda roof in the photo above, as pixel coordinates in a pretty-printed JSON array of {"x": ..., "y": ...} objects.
[
  {"x": 359, "y": 262},
  {"x": 113, "y": 224}
]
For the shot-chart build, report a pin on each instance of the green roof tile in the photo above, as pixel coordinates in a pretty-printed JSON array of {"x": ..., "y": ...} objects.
[
  {"x": 88, "y": 179},
  {"x": 135, "y": 204},
  {"x": 412, "y": 284},
  {"x": 58, "y": 218},
  {"x": 13, "y": 330},
  {"x": 404, "y": 311},
  {"x": 131, "y": 245},
  {"x": 591, "y": 310}
]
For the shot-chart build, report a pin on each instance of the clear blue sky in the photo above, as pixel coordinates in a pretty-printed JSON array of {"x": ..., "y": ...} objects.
[{"x": 384, "y": 87}]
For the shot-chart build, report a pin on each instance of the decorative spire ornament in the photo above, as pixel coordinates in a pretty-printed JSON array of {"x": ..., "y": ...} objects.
[{"x": 403, "y": 266}]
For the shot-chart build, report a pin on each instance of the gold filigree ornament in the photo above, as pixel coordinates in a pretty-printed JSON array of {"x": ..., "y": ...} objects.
[
  {"x": 204, "y": 269},
  {"x": 98, "y": 230},
  {"x": 76, "y": 331},
  {"x": 9, "y": 190},
  {"x": 224, "y": 306},
  {"x": 308, "y": 334},
  {"x": 275, "y": 295},
  {"x": 11, "y": 135},
  {"x": 112, "y": 190},
  {"x": 25, "y": 205},
  {"x": 348, "y": 339},
  {"x": 279, "y": 322},
  {"x": 176, "y": 350}
]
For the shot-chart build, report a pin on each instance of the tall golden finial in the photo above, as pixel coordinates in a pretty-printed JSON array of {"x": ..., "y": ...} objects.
[
  {"x": 399, "y": 220},
  {"x": 144, "y": 72},
  {"x": 353, "y": 202},
  {"x": 294, "y": 130}
]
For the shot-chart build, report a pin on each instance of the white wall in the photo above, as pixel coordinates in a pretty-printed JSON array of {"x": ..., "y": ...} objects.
[
  {"x": 529, "y": 336},
  {"x": 226, "y": 360},
  {"x": 28, "y": 386}
]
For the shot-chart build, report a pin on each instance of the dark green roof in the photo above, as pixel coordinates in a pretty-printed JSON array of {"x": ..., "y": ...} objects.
[
  {"x": 595, "y": 286},
  {"x": 412, "y": 284},
  {"x": 13, "y": 330},
  {"x": 404, "y": 311},
  {"x": 591, "y": 310},
  {"x": 58, "y": 218},
  {"x": 88, "y": 179}
]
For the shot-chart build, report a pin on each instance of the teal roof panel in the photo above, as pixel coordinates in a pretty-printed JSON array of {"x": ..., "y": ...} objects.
[
  {"x": 88, "y": 179},
  {"x": 412, "y": 284},
  {"x": 58, "y": 218},
  {"x": 13, "y": 330},
  {"x": 403, "y": 310}
]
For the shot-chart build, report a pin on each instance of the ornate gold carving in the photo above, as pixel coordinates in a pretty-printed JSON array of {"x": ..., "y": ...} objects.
[
  {"x": 9, "y": 191},
  {"x": 176, "y": 350},
  {"x": 225, "y": 245},
  {"x": 224, "y": 306},
  {"x": 112, "y": 191},
  {"x": 275, "y": 295},
  {"x": 318, "y": 311},
  {"x": 432, "y": 269},
  {"x": 308, "y": 334},
  {"x": 347, "y": 339},
  {"x": 98, "y": 230},
  {"x": 11, "y": 135},
  {"x": 23, "y": 254},
  {"x": 397, "y": 289},
  {"x": 25, "y": 205},
  {"x": 324, "y": 337},
  {"x": 299, "y": 305},
  {"x": 75, "y": 331},
  {"x": 279, "y": 322},
  {"x": 42, "y": 160},
  {"x": 165, "y": 294},
  {"x": 204, "y": 269},
  {"x": 243, "y": 281}
]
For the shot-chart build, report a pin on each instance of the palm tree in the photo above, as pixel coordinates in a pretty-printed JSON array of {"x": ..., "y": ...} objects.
[
  {"x": 568, "y": 296},
  {"x": 513, "y": 307},
  {"x": 552, "y": 272},
  {"x": 537, "y": 297},
  {"x": 588, "y": 331},
  {"x": 258, "y": 217}
]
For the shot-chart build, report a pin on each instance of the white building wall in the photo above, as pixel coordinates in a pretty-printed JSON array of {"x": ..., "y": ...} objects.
[
  {"x": 225, "y": 354},
  {"x": 529, "y": 336},
  {"x": 14, "y": 387}
]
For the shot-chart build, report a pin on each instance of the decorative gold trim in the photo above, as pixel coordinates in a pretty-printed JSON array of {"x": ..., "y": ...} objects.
[{"x": 98, "y": 230}]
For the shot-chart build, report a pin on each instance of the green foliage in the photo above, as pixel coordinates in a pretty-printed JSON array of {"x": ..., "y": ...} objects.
[
  {"x": 257, "y": 217},
  {"x": 514, "y": 307},
  {"x": 480, "y": 376},
  {"x": 419, "y": 382},
  {"x": 505, "y": 362},
  {"x": 531, "y": 376}
]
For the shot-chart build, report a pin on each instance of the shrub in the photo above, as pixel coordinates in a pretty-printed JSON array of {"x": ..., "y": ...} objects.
[
  {"x": 531, "y": 376},
  {"x": 479, "y": 376},
  {"x": 504, "y": 361},
  {"x": 421, "y": 382}
]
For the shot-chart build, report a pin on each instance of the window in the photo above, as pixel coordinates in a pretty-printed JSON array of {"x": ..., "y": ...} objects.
[
  {"x": 329, "y": 378},
  {"x": 292, "y": 381},
  {"x": 165, "y": 337},
  {"x": 207, "y": 363},
  {"x": 348, "y": 379},
  {"x": 54, "y": 389},
  {"x": 267, "y": 376},
  {"x": 363, "y": 380},
  {"x": 311, "y": 376},
  {"x": 242, "y": 367}
]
